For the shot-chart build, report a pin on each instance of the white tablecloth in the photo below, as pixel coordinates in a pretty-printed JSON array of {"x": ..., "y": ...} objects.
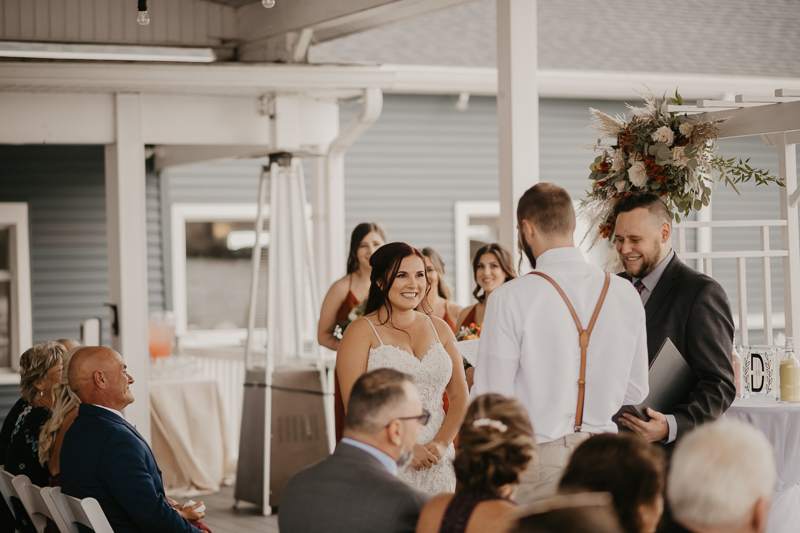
[
  {"x": 780, "y": 422},
  {"x": 189, "y": 436}
]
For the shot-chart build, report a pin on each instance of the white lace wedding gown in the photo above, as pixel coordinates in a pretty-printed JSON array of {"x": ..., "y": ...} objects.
[{"x": 431, "y": 376}]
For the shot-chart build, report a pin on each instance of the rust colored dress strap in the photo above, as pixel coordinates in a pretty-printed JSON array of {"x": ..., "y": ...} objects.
[
  {"x": 447, "y": 320},
  {"x": 338, "y": 403},
  {"x": 470, "y": 318}
]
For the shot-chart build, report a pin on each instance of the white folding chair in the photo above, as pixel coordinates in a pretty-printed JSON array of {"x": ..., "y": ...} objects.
[
  {"x": 74, "y": 511},
  {"x": 31, "y": 497},
  {"x": 7, "y": 488}
]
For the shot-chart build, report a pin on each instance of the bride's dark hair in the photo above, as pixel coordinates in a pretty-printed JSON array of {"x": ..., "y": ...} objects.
[{"x": 385, "y": 263}]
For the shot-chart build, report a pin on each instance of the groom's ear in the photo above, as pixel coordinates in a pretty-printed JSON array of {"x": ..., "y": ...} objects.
[{"x": 528, "y": 229}]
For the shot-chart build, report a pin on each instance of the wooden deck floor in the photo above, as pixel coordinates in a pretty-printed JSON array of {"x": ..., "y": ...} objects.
[{"x": 221, "y": 517}]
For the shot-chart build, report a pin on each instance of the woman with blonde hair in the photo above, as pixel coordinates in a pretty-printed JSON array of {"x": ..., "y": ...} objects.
[
  {"x": 65, "y": 409},
  {"x": 496, "y": 445},
  {"x": 438, "y": 301},
  {"x": 40, "y": 370}
]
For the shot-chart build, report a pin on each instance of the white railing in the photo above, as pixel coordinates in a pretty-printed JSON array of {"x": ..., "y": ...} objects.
[{"x": 704, "y": 260}]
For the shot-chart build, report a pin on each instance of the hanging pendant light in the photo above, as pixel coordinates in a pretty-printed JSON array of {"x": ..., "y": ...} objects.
[
  {"x": 143, "y": 18},
  {"x": 268, "y": 3}
]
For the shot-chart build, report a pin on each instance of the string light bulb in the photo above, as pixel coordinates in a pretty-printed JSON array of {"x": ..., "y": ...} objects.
[
  {"x": 268, "y": 3},
  {"x": 143, "y": 18}
]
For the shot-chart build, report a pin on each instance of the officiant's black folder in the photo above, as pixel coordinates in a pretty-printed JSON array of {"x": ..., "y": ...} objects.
[{"x": 671, "y": 380}]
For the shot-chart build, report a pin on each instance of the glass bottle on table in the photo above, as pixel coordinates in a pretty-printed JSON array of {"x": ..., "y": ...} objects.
[{"x": 790, "y": 374}]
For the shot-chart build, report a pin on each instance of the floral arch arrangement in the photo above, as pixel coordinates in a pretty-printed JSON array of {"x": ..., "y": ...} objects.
[{"x": 660, "y": 152}]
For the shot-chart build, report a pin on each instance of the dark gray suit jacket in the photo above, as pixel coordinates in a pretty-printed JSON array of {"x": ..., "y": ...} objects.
[
  {"x": 349, "y": 492},
  {"x": 692, "y": 309}
]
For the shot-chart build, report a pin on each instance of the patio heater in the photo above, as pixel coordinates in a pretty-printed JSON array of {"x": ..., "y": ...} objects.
[{"x": 283, "y": 414}]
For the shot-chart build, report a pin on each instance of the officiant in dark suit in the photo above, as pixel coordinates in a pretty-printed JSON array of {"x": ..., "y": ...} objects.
[{"x": 689, "y": 308}]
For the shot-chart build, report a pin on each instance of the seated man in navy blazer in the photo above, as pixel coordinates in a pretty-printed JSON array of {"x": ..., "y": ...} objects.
[{"x": 105, "y": 458}]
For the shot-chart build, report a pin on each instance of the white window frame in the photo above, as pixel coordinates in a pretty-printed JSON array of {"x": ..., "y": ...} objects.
[
  {"x": 463, "y": 212},
  {"x": 180, "y": 215},
  {"x": 14, "y": 217}
]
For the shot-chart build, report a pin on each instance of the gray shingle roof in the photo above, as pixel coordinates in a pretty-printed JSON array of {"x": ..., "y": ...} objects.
[{"x": 739, "y": 37}]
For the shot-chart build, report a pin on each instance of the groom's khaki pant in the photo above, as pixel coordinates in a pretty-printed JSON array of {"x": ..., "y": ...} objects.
[{"x": 541, "y": 481}]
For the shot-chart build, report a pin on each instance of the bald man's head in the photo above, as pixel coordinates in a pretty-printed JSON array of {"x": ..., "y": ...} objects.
[{"x": 99, "y": 376}]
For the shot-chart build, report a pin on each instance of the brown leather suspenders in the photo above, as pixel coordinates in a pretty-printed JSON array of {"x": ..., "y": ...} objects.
[{"x": 584, "y": 339}]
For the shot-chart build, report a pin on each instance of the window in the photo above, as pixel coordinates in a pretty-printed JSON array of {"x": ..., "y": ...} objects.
[
  {"x": 478, "y": 223},
  {"x": 15, "y": 287},
  {"x": 211, "y": 268}
]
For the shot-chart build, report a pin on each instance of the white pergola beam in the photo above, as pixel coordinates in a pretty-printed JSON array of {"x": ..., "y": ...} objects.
[
  {"x": 176, "y": 155},
  {"x": 517, "y": 109},
  {"x": 333, "y": 81},
  {"x": 126, "y": 228},
  {"x": 758, "y": 120}
]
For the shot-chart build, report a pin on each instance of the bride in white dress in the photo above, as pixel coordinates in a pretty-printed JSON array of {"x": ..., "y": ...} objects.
[{"x": 392, "y": 334}]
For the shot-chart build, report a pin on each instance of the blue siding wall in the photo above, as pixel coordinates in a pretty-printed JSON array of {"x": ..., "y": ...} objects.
[{"x": 64, "y": 187}]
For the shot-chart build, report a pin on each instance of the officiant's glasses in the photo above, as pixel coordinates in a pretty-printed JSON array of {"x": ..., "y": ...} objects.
[{"x": 423, "y": 418}]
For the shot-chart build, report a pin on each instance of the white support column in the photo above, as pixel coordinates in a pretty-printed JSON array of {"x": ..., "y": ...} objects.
[
  {"x": 126, "y": 227},
  {"x": 790, "y": 236},
  {"x": 320, "y": 204},
  {"x": 334, "y": 220},
  {"x": 517, "y": 109}
]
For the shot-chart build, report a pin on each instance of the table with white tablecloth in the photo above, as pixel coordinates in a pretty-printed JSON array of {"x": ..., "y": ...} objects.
[
  {"x": 189, "y": 436},
  {"x": 780, "y": 422}
]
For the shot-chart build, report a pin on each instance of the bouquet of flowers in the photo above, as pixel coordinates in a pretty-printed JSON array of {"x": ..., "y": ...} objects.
[
  {"x": 356, "y": 312},
  {"x": 469, "y": 333},
  {"x": 662, "y": 153}
]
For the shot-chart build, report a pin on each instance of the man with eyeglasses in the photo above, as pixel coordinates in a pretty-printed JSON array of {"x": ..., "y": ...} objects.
[{"x": 356, "y": 489}]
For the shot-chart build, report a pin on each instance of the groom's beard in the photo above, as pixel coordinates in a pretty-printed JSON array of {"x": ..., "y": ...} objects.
[
  {"x": 405, "y": 457},
  {"x": 527, "y": 251}
]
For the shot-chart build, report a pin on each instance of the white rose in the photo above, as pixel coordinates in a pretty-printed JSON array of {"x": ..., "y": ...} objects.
[
  {"x": 619, "y": 160},
  {"x": 679, "y": 156},
  {"x": 686, "y": 129},
  {"x": 352, "y": 316},
  {"x": 638, "y": 174},
  {"x": 664, "y": 134},
  {"x": 620, "y": 185}
]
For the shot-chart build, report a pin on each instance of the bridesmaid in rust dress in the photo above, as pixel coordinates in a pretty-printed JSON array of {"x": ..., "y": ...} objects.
[
  {"x": 346, "y": 293},
  {"x": 492, "y": 266},
  {"x": 437, "y": 302}
]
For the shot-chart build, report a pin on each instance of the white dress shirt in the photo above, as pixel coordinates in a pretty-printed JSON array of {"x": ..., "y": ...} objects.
[{"x": 529, "y": 346}]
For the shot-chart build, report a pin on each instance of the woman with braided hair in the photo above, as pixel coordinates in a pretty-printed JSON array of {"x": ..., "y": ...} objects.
[{"x": 496, "y": 444}]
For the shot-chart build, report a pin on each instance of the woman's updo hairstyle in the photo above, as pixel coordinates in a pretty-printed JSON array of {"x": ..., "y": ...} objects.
[
  {"x": 34, "y": 364},
  {"x": 385, "y": 263},
  {"x": 495, "y": 444},
  {"x": 503, "y": 257},
  {"x": 359, "y": 232}
]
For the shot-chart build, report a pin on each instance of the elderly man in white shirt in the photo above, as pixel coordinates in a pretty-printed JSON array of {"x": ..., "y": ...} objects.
[{"x": 530, "y": 346}]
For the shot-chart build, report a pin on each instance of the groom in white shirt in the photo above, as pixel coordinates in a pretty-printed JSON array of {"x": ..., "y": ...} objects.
[{"x": 530, "y": 347}]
